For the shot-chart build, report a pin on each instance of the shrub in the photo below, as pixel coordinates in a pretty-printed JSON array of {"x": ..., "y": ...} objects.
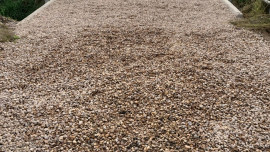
[
  {"x": 251, "y": 7},
  {"x": 19, "y": 9}
]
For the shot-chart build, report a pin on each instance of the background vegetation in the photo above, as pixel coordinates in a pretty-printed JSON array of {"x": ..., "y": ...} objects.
[
  {"x": 19, "y": 9},
  {"x": 256, "y": 14}
]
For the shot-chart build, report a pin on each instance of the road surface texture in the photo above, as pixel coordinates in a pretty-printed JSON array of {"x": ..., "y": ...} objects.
[{"x": 135, "y": 75}]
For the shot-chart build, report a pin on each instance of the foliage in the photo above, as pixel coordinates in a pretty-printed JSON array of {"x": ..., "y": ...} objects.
[
  {"x": 18, "y": 9},
  {"x": 251, "y": 7},
  {"x": 255, "y": 14}
]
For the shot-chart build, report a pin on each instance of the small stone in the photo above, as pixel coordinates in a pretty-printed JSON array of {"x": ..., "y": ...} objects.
[
  {"x": 61, "y": 138},
  {"x": 146, "y": 148}
]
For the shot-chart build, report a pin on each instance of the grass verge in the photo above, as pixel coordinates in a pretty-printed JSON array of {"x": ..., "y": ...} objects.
[
  {"x": 255, "y": 14},
  {"x": 255, "y": 22}
]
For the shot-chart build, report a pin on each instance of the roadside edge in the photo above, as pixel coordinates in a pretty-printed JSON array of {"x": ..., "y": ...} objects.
[
  {"x": 36, "y": 11},
  {"x": 235, "y": 10}
]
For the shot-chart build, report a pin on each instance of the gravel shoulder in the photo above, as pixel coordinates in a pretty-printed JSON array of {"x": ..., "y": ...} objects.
[{"x": 125, "y": 75}]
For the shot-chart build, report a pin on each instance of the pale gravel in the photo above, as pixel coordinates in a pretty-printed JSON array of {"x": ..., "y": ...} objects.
[{"x": 135, "y": 75}]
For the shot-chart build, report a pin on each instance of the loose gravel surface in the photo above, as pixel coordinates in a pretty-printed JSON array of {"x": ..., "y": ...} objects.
[{"x": 134, "y": 75}]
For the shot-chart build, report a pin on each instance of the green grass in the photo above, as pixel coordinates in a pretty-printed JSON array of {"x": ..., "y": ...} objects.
[
  {"x": 19, "y": 9},
  {"x": 6, "y": 35}
]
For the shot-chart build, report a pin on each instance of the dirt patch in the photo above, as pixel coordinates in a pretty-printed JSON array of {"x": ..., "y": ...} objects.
[
  {"x": 7, "y": 26},
  {"x": 6, "y": 34},
  {"x": 8, "y": 22}
]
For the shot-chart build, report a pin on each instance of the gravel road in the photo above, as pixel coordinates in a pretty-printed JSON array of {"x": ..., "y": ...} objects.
[{"x": 135, "y": 75}]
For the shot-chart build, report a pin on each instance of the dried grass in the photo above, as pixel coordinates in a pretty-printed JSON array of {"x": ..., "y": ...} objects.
[
  {"x": 256, "y": 22},
  {"x": 6, "y": 35}
]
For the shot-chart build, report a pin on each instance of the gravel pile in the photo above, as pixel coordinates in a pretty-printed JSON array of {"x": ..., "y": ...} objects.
[{"x": 125, "y": 75}]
